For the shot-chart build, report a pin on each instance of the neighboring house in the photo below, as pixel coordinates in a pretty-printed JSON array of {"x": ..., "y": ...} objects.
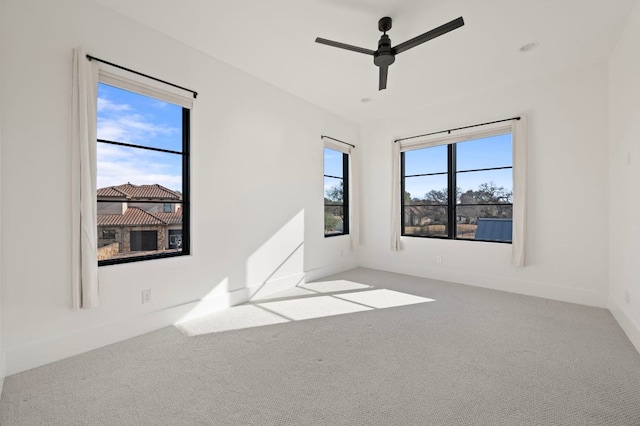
[{"x": 138, "y": 218}]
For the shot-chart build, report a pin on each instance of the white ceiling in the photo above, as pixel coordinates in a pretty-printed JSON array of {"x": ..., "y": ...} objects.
[{"x": 274, "y": 41}]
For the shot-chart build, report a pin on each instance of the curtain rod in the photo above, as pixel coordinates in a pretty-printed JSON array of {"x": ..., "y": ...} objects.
[
  {"x": 93, "y": 58},
  {"x": 458, "y": 128},
  {"x": 337, "y": 140}
]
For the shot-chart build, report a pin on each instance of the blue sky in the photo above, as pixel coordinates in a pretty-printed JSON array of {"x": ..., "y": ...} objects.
[
  {"x": 475, "y": 154},
  {"x": 332, "y": 167},
  {"x": 136, "y": 119}
]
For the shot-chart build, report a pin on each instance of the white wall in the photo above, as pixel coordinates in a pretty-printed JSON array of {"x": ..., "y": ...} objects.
[
  {"x": 624, "y": 164},
  {"x": 567, "y": 178},
  {"x": 2, "y": 362},
  {"x": 256, "y": 152}
]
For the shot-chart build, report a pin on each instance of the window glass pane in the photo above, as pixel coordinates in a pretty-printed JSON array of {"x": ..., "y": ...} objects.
[
  {"x": 487, "y": 223},
  {"x": 425, "y": 221},
  {"x": 131, "y": 118},
  {"x": 333, "y": 220},
  {"x": 140, "y": 191},
  {"x": 492, "y": 186},
  {"x": 336, "y": 205},
  {"x": 139, "y": 233},
  {"x": 425, "y": 190},
  {"x": 333, "y": 165},
  {"x": 118, "y": 165},
  {"x": 333, "y": 190},
  {"x": 494, "y": 151},
  {"x": 426, "y": 160}
]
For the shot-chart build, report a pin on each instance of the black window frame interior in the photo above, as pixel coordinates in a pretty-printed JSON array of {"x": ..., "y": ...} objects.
[
  {"x": 186, "y": 198},
  {"x": 452, "y": 204},
  {"x": 345, "y": 195}
]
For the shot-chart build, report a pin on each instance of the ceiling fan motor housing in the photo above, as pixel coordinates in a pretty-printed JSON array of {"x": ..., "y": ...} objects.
[{"x": 384, "y": 56}]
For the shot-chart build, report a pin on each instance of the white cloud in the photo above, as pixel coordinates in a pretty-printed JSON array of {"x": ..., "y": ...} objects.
[
  {"x": 118, "y": 165},
  {"x": 120, "y": 123},
  {"x": 105, "y": 104}
]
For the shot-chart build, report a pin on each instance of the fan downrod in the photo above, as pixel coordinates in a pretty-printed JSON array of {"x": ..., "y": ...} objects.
[{"x": 384, "y": 24}]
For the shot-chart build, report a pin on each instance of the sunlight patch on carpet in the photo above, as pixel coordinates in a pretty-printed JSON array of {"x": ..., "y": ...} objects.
[
  {"x": 383, "y": 298},
  {"x": 304, "y": 302}
]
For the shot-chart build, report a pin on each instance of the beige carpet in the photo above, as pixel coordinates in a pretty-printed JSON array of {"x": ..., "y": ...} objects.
[{"x": 361, "y": 348}]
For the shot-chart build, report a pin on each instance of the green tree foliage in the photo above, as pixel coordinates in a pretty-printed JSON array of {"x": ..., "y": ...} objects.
[
  {"x": 335, "y": 194},
  {"x": 331, "y": 222},
  {"x": 334, "y": 210}
]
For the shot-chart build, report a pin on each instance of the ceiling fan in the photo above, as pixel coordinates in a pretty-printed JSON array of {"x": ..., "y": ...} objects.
[{"x": 386, "y": 55}]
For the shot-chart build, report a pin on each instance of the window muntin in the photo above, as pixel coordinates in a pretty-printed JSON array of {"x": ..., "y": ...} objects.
[
  {"x": 481, "y": 206},
  {"x": 336, "y": 193},
  {"x": 142, "y": 176}
]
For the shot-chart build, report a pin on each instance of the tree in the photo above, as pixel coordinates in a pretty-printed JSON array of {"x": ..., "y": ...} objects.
[
  {"x": 335, "y": 193},
  {"x": 488, "y": 198},
  {"x": 330, "y": 222},
  {"x": 334, "y": 208},
  {"x": 437, "y": 197},
  {"x": 433, "y": 209}
]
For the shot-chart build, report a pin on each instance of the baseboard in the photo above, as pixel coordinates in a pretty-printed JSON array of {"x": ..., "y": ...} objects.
[
  {"x": 319, "y": 273},
  {"x": 274, "y": 286},
  {"x": 628, "y": 325},
  {"x": 51, "y": 350},
  {"x": 508, "y": 284}
]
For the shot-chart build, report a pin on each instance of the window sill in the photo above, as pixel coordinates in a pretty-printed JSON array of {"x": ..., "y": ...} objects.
[{"x": 140, "y": 258}]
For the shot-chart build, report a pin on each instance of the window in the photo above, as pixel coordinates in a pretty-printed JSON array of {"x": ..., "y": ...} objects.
[
  {"x": 142, "y": 175},
  {"x": 336, "y": 193},
  {"x": 460, "y": 190},
  {"x": 108, "y": 234}
]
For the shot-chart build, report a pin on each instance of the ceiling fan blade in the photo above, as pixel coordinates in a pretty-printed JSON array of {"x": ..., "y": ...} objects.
[
  {"x": 429, "y": 35},
  {"x": 383, "y": 78},
  {"x": 345, "y": 46}
]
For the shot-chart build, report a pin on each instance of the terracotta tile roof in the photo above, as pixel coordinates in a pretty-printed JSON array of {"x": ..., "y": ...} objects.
[
  {"x": 110, "y": 191},
  {"x": 132, "y": 217},
  {"x": 135, "y": 216},
  {"x": 132, "y": 192},
  {"x": 173, "y": 218}
]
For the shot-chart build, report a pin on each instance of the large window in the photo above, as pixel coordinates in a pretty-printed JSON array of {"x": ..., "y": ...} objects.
[
  {"x": 336, "y": 193},
  {"x": 142, "y": 176},
  {"x": 460, "y": 190}
]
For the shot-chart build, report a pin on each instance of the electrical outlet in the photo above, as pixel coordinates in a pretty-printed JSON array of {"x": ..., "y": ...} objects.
[
  {"x": 627, "y": 297},
  {"x": 438, "y": 259},
  {"x": 146, "y": 296}
]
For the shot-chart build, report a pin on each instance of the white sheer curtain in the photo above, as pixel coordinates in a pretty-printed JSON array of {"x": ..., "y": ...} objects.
[
  {"x": 354, "y": 188},
  {"x": 395, "y": 196},
  {"x": 518, "y": 247},
  {"x": 84, "y": 256},
  {"x": 518, "y": 130},
  {"x": 354, "y": 192}
]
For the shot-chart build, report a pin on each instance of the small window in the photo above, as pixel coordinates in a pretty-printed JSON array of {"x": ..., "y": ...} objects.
[
  {"x": 336, "y": 193},
  {"x": 108, "y": 234},
  {"x": 142, "y": 176},
  {"x": 461, "y": 190}
]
